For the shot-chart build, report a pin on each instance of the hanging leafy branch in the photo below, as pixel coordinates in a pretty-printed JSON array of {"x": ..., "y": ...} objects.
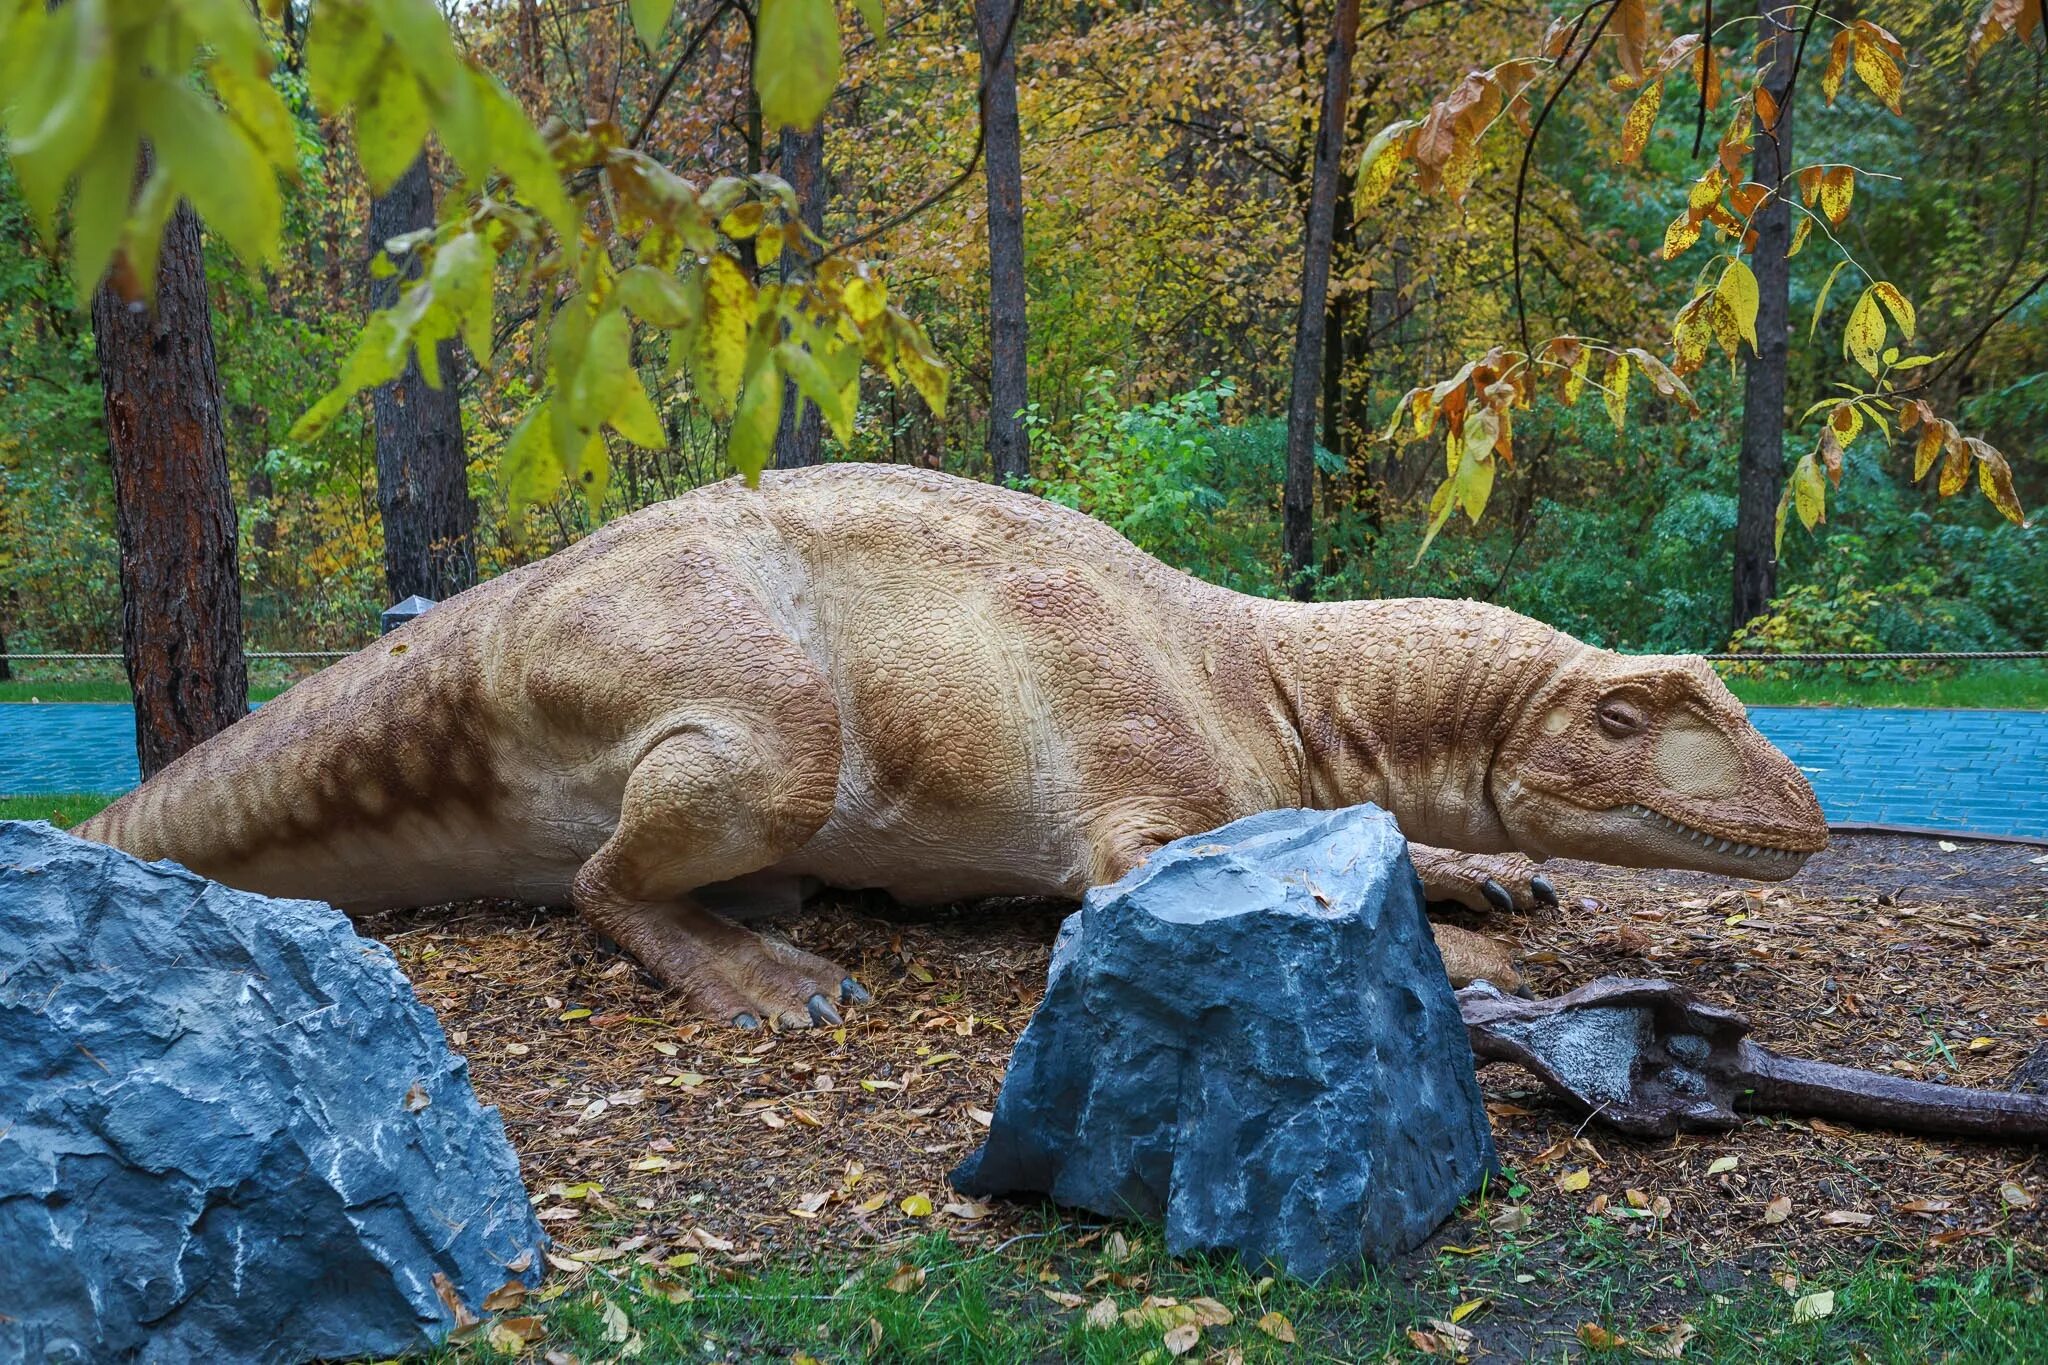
[
  {"x": 1444, "y": 147},
  {"x": 617, "y": 249}
]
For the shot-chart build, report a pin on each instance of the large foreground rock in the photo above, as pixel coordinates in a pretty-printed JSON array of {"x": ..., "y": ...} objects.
[
  {"x": 1250, "y": 1036},
  {"x": 228, "y": 1131}
]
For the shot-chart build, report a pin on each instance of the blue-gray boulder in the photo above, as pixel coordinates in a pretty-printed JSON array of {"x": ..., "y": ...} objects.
[
  {"x": 1251, "y": 1037},
  {"x": 228, "y": 1130}
]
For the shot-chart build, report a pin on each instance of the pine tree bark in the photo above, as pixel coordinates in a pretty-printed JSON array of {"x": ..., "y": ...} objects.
[
  {"x": 1298, "y": 500},
  {"x": 995, "y": 23},
  {"x": 422, "y": 460},
  {"x": 1761, "y": 467},
  {"x": 799, "y": 440},
  {"x": 174, "y": 510}
]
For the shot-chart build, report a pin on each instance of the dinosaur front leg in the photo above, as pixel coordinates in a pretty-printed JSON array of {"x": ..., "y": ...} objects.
[
  {"x": 1481, "y": 881},
  {"x": 716, "y": 800}
]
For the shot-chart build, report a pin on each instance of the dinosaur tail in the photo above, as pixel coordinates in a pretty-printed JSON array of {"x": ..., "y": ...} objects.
[{"x": 308, "y": 793}]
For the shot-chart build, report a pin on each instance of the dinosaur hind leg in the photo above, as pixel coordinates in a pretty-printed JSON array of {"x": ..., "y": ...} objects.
[{"x": 716, "y": 799}]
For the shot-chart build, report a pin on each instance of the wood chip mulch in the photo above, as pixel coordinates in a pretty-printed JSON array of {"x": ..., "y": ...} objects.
[{"x": 646, "y": 1135}]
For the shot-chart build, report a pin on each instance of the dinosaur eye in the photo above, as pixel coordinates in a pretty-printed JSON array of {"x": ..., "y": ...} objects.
[{"x": 1618, "y": 717}]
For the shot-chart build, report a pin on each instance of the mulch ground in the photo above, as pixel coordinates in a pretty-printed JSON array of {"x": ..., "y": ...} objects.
[{"x": 645, "y": 1134}]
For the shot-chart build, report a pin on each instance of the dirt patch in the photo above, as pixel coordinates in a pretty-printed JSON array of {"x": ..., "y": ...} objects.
[{"x": 644, "y": 1133}]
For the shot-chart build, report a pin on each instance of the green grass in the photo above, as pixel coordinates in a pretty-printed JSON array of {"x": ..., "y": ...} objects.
[
  {"x": 61, "y": 811},
  {"x": 95, "y": 689},
  {"x": 999, "y": 1307}
]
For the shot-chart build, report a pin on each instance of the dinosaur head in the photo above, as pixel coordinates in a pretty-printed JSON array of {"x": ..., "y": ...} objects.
[{"x": 1652, "y": 762}]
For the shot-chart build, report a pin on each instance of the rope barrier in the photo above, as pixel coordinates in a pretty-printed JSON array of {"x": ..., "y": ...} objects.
[{"x": 247, "y": 654}]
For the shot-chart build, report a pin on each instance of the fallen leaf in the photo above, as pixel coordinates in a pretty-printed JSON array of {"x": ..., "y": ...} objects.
[
  {"x": 617, "y": 1326},
  {"x": 1063, "y": 1299},
  {"x": 1945, "y": 846},
  {"x": 1926, "y": 1206},
  {"x": 675, "y": 1291},
  {"x": 1813, "y": 1307},
  {"x": 417, "y": 1098},
  {"x": 1779, "y": 1209},
  {"x": 1673, "y": 1345},
  {"x": 1183, "y": 1339},
  {"x": 565, "y": 1265},
  {"x": 704, "y": 1241},
  {"x": 971, "y": 1209},
  {"x": 1117, "y": 1247},
  {"x": 505, "y": 1297},
  {"x": 2016, "y": 1195},
  {"x": 1429, "y": 1343},
  {"x": 1722, "y": 1163},
  {"x": 1103, "y": 1315},
  {"x": 651, "y": 1163},
  {"x": 981, "y": 1116},
  {"x": 1459, "y": 1337},
  {"x": 916, "y": 1205},
  {"x": 666, "y": 1049},
  {"x": 568, "y": 1015},
  {"x": 1574, "y": 1180},
  {"x": 1599, "y": 1338},
  {"x": 805, "y": 1117},
  {"x": 870, "y": 1205},
  {"x": 1276, "y": 1326},
  {"x": 511, "y": 1336},
  {"x": 1983, "y": 1044},
  {"x": 596, "y": 1255},
  {"x": 1847, "y": 1218},
  {"x": 1209, "y": 1313},
  {"x": 452, "y": 1301},
  {"x": 1511, "y": 1219},
  {"x": 773, "y": 1119},
  {"x": 907, "y": 1278}
]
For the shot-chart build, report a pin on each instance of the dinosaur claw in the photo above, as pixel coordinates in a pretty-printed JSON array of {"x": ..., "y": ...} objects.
[
  {"x": 1545, "y": 892},
  {"x": 745, "y": 1021},
  {"x": 1497, "y": 895},
  {"x": 822, "y": 1011},
  {"x": 853, "y": 993}
]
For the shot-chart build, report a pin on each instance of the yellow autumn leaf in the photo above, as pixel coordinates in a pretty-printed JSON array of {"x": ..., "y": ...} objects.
[
  {"x": 1276, "y": 1326},
  {"x": 1928, "y": 450},
  {"x": 1799, "y": 235},
  {"x": 1379, "y": 163},
  {"x": 1955, "y": 469},
  {"x": 1863, "y": 338},
  {"x": 1738, "y": 288},
  {"x": 1900, "y": 306},
  {"x": 1642, "y": 117},
  {"x": 916, "y": 1205},
  {"x": 1838, "y": 65},
  {"x": 1683, "y": 231},
  {"x": 722, "y": 341},
  {"x": 1994, "y": 476},
  {"x": 1574, "y": 1180},
  {"x": 1616, "y": 395},
  {"x": 1809, "y": 491},
  {"x": 1876, "y": 69},
  {"x": 1837, "y": 188}
]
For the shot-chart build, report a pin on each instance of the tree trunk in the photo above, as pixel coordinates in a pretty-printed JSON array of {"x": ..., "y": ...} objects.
[
  {"x": 422, "y": 460},
  {"x": 174, "y": 512},
  {"x": 1762, "y": 467},
  {"x": 1299, "y": 499},
  {"x": 995, "y": 23},
  {"x": 799, "y": 439}
]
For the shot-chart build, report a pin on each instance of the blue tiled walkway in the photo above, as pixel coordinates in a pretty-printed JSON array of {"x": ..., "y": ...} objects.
[{"x": 1956, "y": 772}]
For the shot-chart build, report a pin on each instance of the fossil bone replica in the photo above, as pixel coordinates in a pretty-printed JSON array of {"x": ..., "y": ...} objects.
[
  {"x": 1650, "y": 1058},
  {"x": 874, "y": 676}
]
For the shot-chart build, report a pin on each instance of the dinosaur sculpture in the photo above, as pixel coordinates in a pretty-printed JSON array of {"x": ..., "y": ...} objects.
[{"x": 873, "y": 676}]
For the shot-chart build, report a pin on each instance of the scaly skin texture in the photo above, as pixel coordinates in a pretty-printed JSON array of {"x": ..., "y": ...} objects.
[{"x": 872, "y": 676}]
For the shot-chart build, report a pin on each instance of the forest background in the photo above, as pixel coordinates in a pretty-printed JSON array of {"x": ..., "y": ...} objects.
[{"x": 1167, "y": 151}]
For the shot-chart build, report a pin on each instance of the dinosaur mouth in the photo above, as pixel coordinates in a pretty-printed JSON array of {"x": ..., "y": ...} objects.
[{"x": 1714, "y": 843}]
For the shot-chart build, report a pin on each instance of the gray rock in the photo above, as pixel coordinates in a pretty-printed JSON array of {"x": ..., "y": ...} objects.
[
  {"x": 1251, "y": 1037},
  {"x": 228, "y": 1130}
]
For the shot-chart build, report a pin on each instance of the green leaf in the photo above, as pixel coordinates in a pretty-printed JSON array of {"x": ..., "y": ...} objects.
[
  {"x": 99, "y": 209},
  {"x": 1809, "y": 491},
  {"x": 754, "y": 425},
  {"x": 253, "y": 102},
  {"x": 529, "y": 467},
  {"x": 64, "y": 77},
  {"x": 343, "y": 46},
  {"x": 524, "y": 158},
  {"x": 871, "y": 14},
  {"x": 650, "y": 17},
  {"x": 657, "y": 297},
  {"x": 814, "y": 383},
  {"x": 1821, "y": 300},
  {"x": 212, "y": 162},
  {"x": 796, "y": 60},
  {"x": 636, "y": 419},
  {"x": 921, "y": 363},
  {"x": 391, "y": 123}
]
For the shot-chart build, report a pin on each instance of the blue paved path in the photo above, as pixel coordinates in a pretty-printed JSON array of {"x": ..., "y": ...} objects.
[{"x": 1958, "y": 772}]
